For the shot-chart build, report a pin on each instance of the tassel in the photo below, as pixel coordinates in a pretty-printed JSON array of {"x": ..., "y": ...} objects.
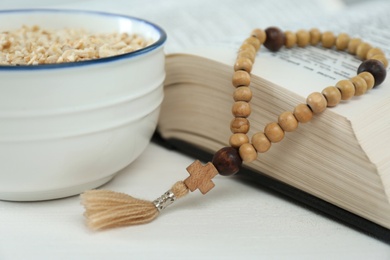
[{"x": 108, "y": 209}]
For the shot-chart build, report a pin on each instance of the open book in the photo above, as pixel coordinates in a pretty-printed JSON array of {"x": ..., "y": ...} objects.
[{"x": 341, "y": 157}]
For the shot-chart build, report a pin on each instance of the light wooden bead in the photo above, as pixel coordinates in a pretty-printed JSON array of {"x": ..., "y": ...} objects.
[
  {"x": 303, "y": 38},
  {"x": 332, "y": 95},
  {"x": 353, "y": 44},
  {"x": 303, "y": 113},
  {"x": 247, "y": 54},
  {"x": 259, "y": 34},
  {"x": 239, "y": 125},
  {"x": 346, "y": 88},
  {"x": 381, "y": 58},
  {"x": 317, "y": 102},
  {"x": 287, "y": 121},
  {"x": 243, "y": 64},
  {"x": 374, "y": 51},
  {"x": 328, "y": 39},
  {"x": 242, "y": 94},
  {"x": 247, "y": 152},
  {"x": 247, "y": 47},
  {"x": 274, "y": 132},
  {"x": 342, "y": 41},
  {"x": 261, "y": 142},
  {"x": 254, "y": 41},
  {"x": 241, "y": 109},
  {"x": 291, "y": 39},
  {"x": 369, "y": 78},
  {"x": 362, "y": 50},
  {"x": 241, "y": 78},
  {"x": 315, "y": 36},
  {"x": 360, "y": 85},
  {"x": 236, "y": 140}
]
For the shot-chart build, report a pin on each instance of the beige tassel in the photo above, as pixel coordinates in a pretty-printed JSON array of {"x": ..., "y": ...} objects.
[{"x": 108, "y": 209}]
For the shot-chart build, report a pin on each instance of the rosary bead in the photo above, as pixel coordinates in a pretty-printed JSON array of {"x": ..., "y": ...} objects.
[
  {"x": 275, "y": 39},
  {"x": 255, "y": 42},
  {"x": 247, "y": 54},
  {"x": 328, "y": 39},
  {"x": 332, "y": 95},
  {"x": 236, "y": 140},
  {"x": 303, "y": 113},
  {"x": 317, "y": 102},
  {"x": 261, "y": 142},
  {"x": 241, "y": 109},
  {"x": 360, "y": 85},
  {"x": 315, "y": 36},
  {"x": 346, "y": 88},
  {"x": 274, "y": 132},
  {"x": 303, "y": 38},
  {"x": 362, "y": 49},
  {"x": 227, "y": 161},
  {"x": 376, "y": 68},
  {"x": 381, "y": 58},
  {"x": 353, "y": 44},
  {"x": 241, "y": 78},
  {"x": 291, "y": 39},
  {"x": 239, "y": 125},
  {"x": 247, "y": 47},
  {"x": 287, "y": 121},
  {"x": 247, "y": 152},
  {"x": 243, "y": 64},
  {"x": 259, "y": 34},
  {"x": 367, "y": 76},
  {"x": 374, "y": 51},
  {"x": 242, "y": 94},
  {"x": 342, "y": 41}
]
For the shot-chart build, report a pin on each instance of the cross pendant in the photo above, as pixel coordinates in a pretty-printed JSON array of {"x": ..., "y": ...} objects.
[{"x": 200, "y": 176}]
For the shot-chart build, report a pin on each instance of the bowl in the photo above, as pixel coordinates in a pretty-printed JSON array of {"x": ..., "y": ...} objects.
[{"x": 69, "y": 127}]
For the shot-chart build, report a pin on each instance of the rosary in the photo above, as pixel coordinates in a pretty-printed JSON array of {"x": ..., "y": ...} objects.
[{"x": 107, "y": 209}]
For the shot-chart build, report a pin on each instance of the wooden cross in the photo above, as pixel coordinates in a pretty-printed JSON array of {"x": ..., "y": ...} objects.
[{"x": 200, "y": 176}]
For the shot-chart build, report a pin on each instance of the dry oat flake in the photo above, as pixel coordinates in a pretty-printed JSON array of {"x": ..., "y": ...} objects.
[{"x": 34, "y": 45}]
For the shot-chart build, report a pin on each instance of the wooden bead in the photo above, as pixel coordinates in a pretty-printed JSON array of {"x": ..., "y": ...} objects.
[
  {"x": 255, "y": 42},
  {"x": 259, "y": 34},
  {"x": 242, "y": 94},
  {"x": 243, "y": 64},
  {"x": 346, "y": 88},
  {"x": 247, "y": 152},
  {"x": 332, "y": 95},
  {"x": 241, "y": 109},
  {"x": 381, "y": 58},
  {"x": 227, "y": 161},
  {"x": 261, "y": 142},
  {"x": 317, "y": 102},
  {"x": 247, "y": 47},
  {"x": 360, "y": 85},
  {"x": 291, "y": 39},
  {"x": 376, "y": 68},
  {"x": 328, "y": 39},
  {"x": 287, "y": 121},
  {"x": 303, "y": 113},
  {"x": 239, "y": 125},
  {"x": 367, "y": 76},
  {"x": 303, "y": 38},
  {"x": 247, "y": 54},
  {"x": 353, "y": 44},
  {"x": 274, "y": 132},
  {"x": 374, "y": 51},
  {"x": 362, "y": 49},
  {"x": 275, "y": 39},
  {"x": 342, "y": 41},
  {"x": 241, "y": 78},
  {"x": 315, "y": 36},
  {"x": 236, "y": 140}
]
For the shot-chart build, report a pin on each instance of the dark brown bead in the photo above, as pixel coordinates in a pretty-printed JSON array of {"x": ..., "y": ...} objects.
[
  {"x": 227, "y": 161},
  {"x": 376, "y": 68},
  {"x": 275, "y": 39}
]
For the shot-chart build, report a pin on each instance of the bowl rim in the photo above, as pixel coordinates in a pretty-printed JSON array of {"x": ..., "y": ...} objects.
[{"x": 160, "y": 42}]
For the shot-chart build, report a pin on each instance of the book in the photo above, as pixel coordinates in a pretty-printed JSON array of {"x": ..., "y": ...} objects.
[{"x": 338, "y": 162}]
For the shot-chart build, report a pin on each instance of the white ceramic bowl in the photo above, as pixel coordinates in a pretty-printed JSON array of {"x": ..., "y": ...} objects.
[{"x": 66, "y": 128}]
